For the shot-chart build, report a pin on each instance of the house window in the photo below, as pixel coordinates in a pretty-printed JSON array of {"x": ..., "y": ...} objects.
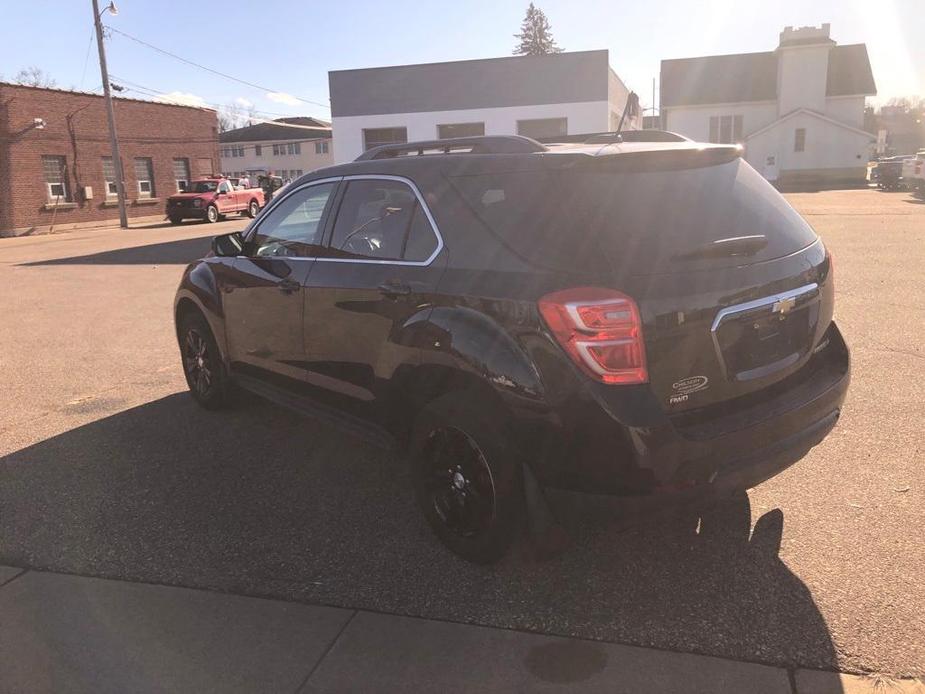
[
  {"x": 374, "y": 137},
  {"x": 240, "y": 151},
  {"x": 109, "y": 175},
  {"x": 294, "y": 148},
  {"x": 543, "y": 127},
  {"x": 258, "y": 150},
  {"x": 460, "y": 130},
  {"x": 144, "y": 175},
  {"x": 278, "y": 150},
  {"x": 726, "y": 130},
  {"x": 181, "y": 174},
  {"x": 321, "y": 147},
  {"x": 297, "y": 173},
  {"x": 799, "y": 140},
  {"x": 55, "y": 170}
]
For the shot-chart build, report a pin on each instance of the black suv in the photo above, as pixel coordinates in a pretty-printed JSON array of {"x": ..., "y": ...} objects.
[{"x": 626, "y": 318}]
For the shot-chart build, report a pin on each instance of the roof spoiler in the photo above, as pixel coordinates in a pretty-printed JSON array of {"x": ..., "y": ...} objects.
[
  {"x": 486, "y": 144},
  {"x": 688, "y": 155}
]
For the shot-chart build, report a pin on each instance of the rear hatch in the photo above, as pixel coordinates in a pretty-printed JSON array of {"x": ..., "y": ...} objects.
[{"x": 732, "y": 284}]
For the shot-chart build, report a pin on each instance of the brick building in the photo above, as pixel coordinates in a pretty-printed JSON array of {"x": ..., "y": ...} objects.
[{"x": 56, "y": 164}]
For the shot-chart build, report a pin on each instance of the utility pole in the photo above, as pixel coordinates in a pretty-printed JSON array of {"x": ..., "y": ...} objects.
[{"x": 113, "y": 140}]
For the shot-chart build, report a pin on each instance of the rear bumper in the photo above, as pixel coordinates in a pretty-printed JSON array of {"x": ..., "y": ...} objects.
[{"x": 651, "y": 453}]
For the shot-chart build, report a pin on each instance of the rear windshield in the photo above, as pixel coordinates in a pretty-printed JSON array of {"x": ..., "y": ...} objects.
[
  {"x": 203, "y": 187},
  {"x": 641, "y": 221}
]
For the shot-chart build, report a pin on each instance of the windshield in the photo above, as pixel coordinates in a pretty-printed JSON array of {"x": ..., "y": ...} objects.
[
  {"x": 203, "y": 187},
  {"x": 568, "y": 219}
]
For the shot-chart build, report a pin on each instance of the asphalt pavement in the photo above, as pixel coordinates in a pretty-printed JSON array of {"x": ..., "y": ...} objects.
[{"x": 110, "y": 470}]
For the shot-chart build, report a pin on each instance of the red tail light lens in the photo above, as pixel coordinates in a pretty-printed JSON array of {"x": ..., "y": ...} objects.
[{"x": 601, "y": 331}]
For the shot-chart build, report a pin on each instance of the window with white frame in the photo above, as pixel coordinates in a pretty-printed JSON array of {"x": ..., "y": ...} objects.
[
  {"x": 799, "y": 140},
  {"x": 726, "y": 130},
  {"x": 374, "y": 137},
  {"x": 322, "y": 147},
  {"x": 278, "y": 150},
  {"x": 449, "y": 130},
  {"x": 144, "y": 175},
  {"x": 294, "y": 148},
  {"x": 109, "y": 175},
  {"x": 543, "y": 127},
  {"x": 181, "y": 173},
  {"x": 55, "y": 171},
  {"x": 258, "y": 150}
]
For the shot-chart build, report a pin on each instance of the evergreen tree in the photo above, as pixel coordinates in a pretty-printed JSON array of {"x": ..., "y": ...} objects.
[{"x": 535, "y": 34}]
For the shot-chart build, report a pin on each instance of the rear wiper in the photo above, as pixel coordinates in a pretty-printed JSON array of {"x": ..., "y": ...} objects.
[{"x": 727, "y": 248}]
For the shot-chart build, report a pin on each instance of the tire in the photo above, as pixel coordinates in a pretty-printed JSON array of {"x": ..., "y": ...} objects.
[
  {"x": 212, "y": 214},
  {"x": 467, "y": 482},
  {"x": 202, "y": 363},
  {"x": 253, "y": 208},
  {"x": 175, "y": 220}
]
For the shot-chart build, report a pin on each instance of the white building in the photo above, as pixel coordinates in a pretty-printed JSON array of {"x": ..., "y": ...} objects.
[
  {"x": 798, "y": 110},
  {"x": 538, "y": 96},
  {"x": 287, "y": 147}
]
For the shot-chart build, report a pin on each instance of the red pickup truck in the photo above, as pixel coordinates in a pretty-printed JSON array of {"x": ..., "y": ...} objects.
[{"x": 213, "y": 198}]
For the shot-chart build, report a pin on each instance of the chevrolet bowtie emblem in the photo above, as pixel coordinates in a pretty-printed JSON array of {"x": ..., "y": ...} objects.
[{"x": 784, "y": 306}]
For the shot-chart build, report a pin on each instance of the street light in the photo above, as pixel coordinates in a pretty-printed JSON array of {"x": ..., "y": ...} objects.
[{"x": 110, "y": 113}]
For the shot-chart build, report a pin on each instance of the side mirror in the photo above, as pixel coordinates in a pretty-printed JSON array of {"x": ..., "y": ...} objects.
[{"x": 228, "y": 245}]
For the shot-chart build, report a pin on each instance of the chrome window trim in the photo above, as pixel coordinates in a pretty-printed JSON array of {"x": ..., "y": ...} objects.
[
  {"x": 430, "y": 218},
  {"x": 723, "y": 314},
  {"x": 367, "y": 261}
]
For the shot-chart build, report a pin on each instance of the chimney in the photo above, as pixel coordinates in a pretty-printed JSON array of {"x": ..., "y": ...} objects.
[{"x": 802, "y": 68}]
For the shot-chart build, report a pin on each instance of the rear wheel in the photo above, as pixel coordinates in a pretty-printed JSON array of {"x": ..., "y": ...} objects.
[
  {"x": 175, "y": 220},
  {"x": 252, "y": 209},
  {"x": 467, "y": 483},
  {"x": 212, "y": 214},
  {"x": 202, "y": 363}
]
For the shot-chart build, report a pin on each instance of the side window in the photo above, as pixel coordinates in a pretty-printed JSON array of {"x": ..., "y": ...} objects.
[
  {"x": 224, "y": 187},
  {"x": 382, "y": 219},
  {"x": 293, "y": 227}
]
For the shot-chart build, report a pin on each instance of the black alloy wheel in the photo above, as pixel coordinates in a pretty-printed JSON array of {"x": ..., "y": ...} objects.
[
  {"x": 202, "y": 363},
  {"x": 460, "y": 483}
]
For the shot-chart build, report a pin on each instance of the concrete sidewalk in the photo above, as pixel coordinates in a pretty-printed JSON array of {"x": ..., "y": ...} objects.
[{"x": 65, "y": 633}]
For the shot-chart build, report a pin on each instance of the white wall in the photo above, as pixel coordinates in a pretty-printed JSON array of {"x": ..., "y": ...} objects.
[
  {"x": 828, "y": 146},
  {"x": 583, "y": 117},
  {"x": 307, "y": 160},
  {"x": 801, "y": 77},
  {"x": 617, "y": 93},
  {"x": 846, "y": 109},
  {"x": 694, "y": 121}
]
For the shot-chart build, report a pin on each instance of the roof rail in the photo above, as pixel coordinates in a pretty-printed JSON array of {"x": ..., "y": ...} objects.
[
  {"x": 622, "y": 136},
  {"x": 485, "y": 144}
]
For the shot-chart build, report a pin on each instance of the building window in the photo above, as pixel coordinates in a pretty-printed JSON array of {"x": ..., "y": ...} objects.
[
  {"x": 726, "y": 130},
  {"x": 543, "y": 127},
  {"x": 240, "y": 151},
  {"x": 321, "y": 147},
  {"x": 799, "y": 140},
  {"x": 109, "y": 175},
  {"x": 298, "y": 172},
  {"x": 258, "y": 150},
  {"x": 374, "y": 137},
  {"x": 144, "y": 175},
  {"x": 277, "y": 150},
  {"x": 294, "y": 148},
  {"x": 181, "y": 174},
  {"x": 460, "y": 130},
  {"x": 55, "y": 170}
]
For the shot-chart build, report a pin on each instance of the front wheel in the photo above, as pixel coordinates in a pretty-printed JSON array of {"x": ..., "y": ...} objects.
[
  {"x": 175, "y": 220},
  {"x": 253, "y": 209},
  {"x": 211, "y": 214},
  {"x": 202, "y": 363},
  {"x": 467, "y": 481}
]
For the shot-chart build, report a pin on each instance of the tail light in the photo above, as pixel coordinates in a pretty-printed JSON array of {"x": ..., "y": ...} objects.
[{"x": 601, "y": 330}]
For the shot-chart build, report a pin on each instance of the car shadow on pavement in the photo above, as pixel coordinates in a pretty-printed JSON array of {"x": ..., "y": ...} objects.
[
  {"x": 261, "y": 501},
  {"x": 180, "y": 252}
]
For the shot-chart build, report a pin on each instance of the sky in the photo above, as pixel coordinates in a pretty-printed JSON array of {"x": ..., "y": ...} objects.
[{"x": 285, "y": 48}]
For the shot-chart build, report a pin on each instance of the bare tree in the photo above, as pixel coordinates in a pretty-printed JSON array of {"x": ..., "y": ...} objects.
[
  {"x": 229, "y": 118},
  {"x": 535, "y": 34},
  {"x": 33, "y": 76}
]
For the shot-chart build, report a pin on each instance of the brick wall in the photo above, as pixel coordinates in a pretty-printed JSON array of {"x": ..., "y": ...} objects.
[{"x": 76, "y": 129}]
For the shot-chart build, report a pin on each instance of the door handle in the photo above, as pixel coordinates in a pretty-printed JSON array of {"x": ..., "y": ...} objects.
[
  {"x": 288, "y": 286},
  {"x": 394, "y": 288}
]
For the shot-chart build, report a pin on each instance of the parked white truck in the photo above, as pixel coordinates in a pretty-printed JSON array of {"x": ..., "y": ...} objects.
[{"x": 914, "y": 173}]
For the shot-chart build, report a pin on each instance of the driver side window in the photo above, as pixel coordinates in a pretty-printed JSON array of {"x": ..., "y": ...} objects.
[{"x": 293, "y": 227}]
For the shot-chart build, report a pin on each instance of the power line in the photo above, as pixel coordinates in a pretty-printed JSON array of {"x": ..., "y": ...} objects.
[
  {"x": 208, "y": 69},
  {"x": 83, "y": 74}
]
